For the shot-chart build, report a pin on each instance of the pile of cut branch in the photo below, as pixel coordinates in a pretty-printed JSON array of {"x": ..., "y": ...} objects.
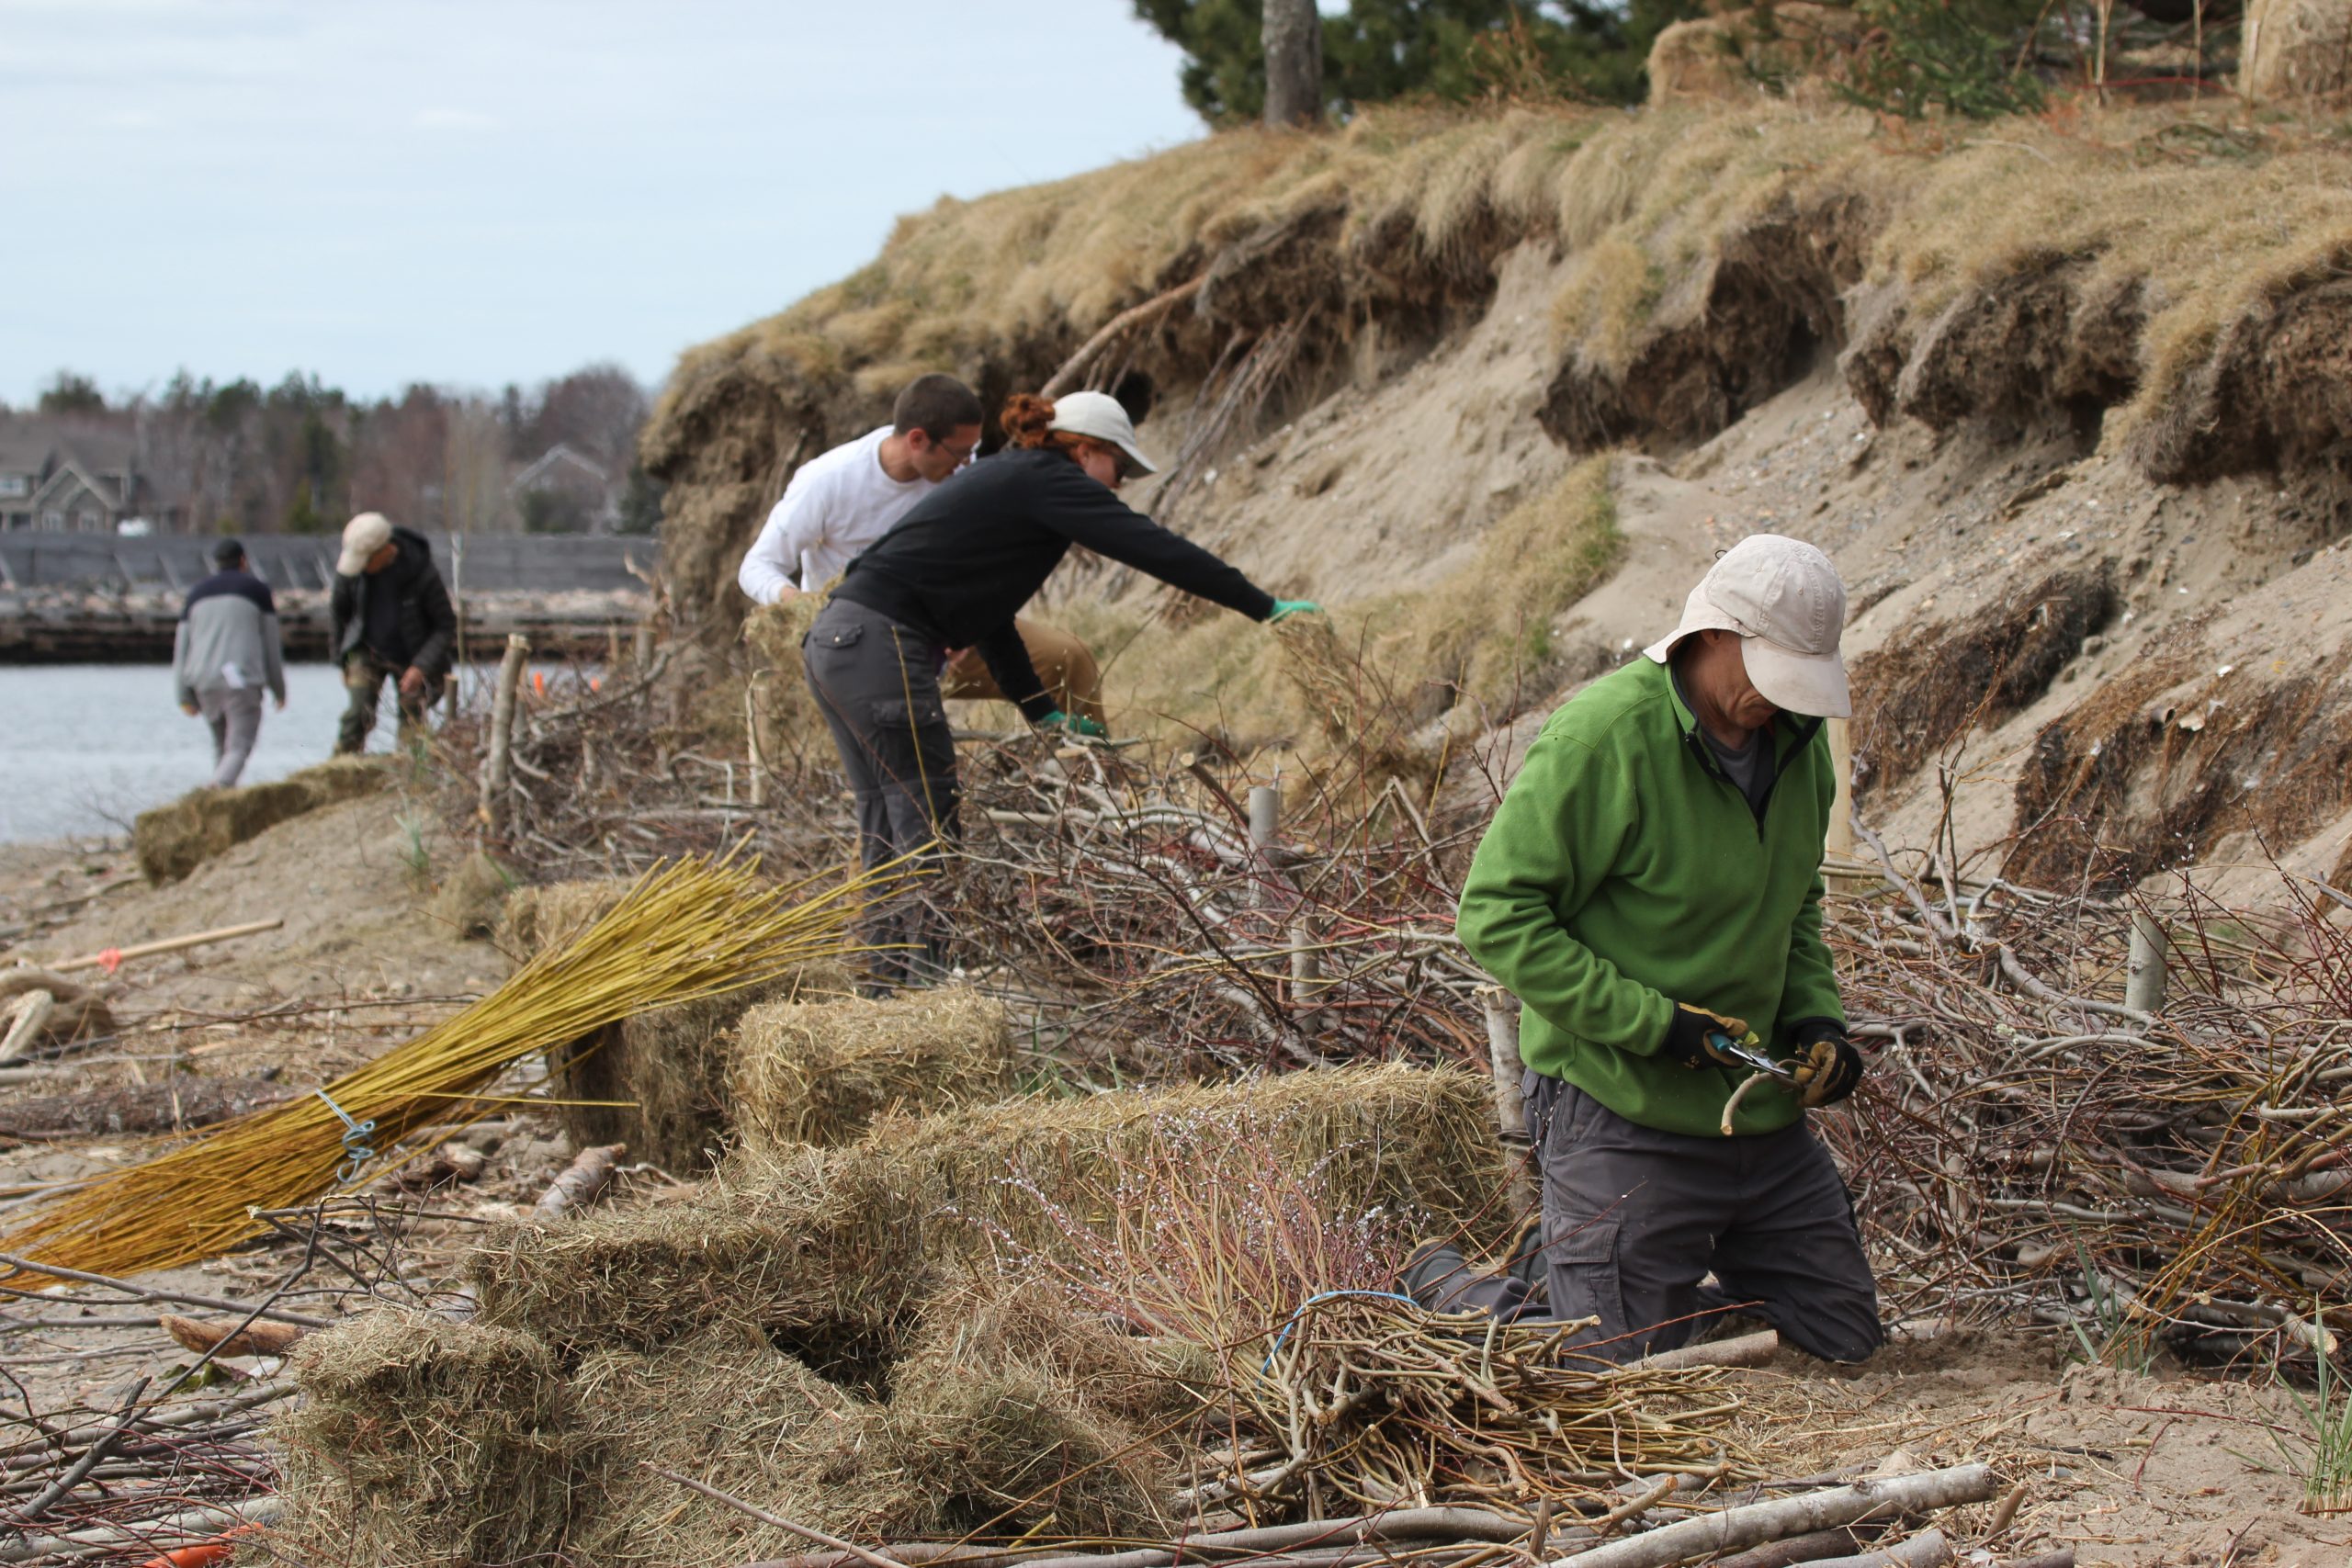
[
  {"x": 2030, "y": 1149},
  {"x": 1198, "y": 919}
]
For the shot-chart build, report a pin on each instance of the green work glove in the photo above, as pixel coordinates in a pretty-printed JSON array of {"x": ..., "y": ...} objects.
[
  {"x": 1286, "y": 608},
  {"x": 1076, "y": 723},
  {"x": 1687, "y": 1032}
]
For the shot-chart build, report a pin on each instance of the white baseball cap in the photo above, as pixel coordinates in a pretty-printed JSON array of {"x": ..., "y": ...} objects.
[
  {"x": 362, "y": 537},
  {"x": 1098, "y": 414},
  {"x": 1784, "y": 599}
]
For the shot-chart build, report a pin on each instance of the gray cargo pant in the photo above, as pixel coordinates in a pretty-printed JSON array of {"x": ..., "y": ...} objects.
[
  {"x": 234, "y": 718},
  {"x": 1634, "y": 1220},
  {"x": 877, "y": 684}
]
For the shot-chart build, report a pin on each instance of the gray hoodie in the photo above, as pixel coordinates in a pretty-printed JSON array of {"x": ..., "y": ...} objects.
[{"x": 228, "y": 638}]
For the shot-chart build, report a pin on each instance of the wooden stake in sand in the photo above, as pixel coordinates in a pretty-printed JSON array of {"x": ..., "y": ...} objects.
[{"x": 496, "y": 767}]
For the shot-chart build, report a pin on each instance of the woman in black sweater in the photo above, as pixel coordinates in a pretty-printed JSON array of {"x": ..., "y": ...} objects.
[{"x": 952, "y": 574}]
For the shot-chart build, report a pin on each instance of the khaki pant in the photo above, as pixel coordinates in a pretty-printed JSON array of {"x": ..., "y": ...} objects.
[
  {"x": 364, "y": 675},
  {"x": 1065, "y": 664}
]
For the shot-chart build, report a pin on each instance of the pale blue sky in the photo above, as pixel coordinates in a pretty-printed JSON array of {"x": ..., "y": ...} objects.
[{"x": 469, "y": 193}]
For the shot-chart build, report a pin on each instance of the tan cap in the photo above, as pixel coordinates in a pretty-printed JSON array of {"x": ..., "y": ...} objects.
[
  {"x": 1098, "y": 414},
  {"x": 1784, "y": 599},
  {"x": 362, "y": 537}
]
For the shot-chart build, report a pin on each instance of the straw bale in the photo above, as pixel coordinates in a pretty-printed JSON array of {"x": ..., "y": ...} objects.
[
  {"x": 1414, "y": 1143},
  {"x": 1006, "y": 1450},
  {"x": 821, "y": 1072},
  {"x": 423, "y": 1440},
  {"x": 662, "y": 1078},
  {"x": 997, "y": 1321},
  {"x": 725, "y": 1407},
  {"x": 2296, "y": 49},
  {"x": 536, "y": 919},
  {"x": 469, "y": 899},
  {"x": 171, "y": 840},
  {"x": 830, "y": 1263}
]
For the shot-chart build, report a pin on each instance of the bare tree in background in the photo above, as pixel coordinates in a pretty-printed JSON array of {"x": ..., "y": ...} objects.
[{"x": 1294, "y": 37}]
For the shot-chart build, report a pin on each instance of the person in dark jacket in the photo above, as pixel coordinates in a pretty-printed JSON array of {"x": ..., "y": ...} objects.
[
  {"x": 390, "y": 619},
  {"x": 227, "y": 651},
  {"x": 951, "y": 574}
]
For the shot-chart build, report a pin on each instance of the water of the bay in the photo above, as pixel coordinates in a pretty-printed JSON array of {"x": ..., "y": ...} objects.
[{"x": 90, "y": 746}]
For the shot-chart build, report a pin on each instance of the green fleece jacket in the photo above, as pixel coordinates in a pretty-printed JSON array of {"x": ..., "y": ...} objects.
[{"x": 1624, "y": 872}]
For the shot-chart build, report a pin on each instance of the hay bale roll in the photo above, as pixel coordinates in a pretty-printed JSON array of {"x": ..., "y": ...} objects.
[
  {"x": 428, "y": 1440},
  {"x": 1408, "y": 1141},
  {"x": 1739, "y": 52},
  {"x": 730, "y": 1410},
  {"x": 821, "y": 1072},
  {"x": 171, "y": 840},
  {"x": 828, "y": 1262},
  {"x": 2296, "y": 49}
]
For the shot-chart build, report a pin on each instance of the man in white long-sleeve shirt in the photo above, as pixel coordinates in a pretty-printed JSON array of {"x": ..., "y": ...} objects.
[
  {"x": 844, "y": 500},
  {"x": 841, "y": 501}
]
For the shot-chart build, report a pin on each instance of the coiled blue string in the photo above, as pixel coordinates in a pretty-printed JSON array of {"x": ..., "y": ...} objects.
[
  {"x": 355, "y": 1149},
  {"x": 1300, "y": 1311}
]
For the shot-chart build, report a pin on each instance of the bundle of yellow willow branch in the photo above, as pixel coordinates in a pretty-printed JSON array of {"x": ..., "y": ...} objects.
[{"x": 689, "y": 928}]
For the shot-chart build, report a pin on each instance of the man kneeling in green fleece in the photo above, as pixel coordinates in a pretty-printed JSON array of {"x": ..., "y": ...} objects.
[{"x": 1650, "y": 889}]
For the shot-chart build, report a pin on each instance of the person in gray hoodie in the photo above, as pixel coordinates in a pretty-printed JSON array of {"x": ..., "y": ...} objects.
[{"x": 225, "y": 652}]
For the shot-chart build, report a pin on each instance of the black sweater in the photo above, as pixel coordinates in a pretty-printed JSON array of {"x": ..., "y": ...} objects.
[{"x": 971, "y": 553}]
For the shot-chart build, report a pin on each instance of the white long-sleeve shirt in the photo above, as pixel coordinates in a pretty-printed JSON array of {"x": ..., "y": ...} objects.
[{"x": 837, "y": 504}]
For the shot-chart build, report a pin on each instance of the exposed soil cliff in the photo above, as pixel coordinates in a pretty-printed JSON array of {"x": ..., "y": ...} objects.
[{"x": 2065, "y": 396}]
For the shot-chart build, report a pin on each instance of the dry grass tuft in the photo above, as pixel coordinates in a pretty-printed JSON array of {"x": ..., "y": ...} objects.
[
  {"x": 821, "y": 1072},
  {"x": 171, "y": 840},
  {"x": 429, "y": 1441},
  {"x": 1484, "y": 633},
  {"x": 469, "y": 899}
]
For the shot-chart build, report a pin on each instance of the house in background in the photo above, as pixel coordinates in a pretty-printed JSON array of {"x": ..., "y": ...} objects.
[
  {"x": 565, "y": 492},
  {"x": 59, "y": 479}
]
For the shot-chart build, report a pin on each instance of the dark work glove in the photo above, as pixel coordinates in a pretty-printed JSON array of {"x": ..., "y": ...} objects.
[
  {"x": 1687, "y": 1032},
  {"x": 1827, "y": 1066}
]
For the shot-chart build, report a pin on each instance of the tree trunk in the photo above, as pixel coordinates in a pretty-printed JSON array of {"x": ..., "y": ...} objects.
[{"x": 1293, "y": 36}]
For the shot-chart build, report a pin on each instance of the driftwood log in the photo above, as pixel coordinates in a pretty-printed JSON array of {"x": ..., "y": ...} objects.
[
  {"x": 1735, "y": 1529},
  {"x": 259, "y": 1338},
  {"x": 582, "y": 1180},
  {"x": 178, "y": 1103},
  {"x": 43, "y": 1008}
]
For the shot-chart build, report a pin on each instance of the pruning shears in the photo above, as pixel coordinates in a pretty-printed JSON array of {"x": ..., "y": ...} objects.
[{"x": 1749, "y": 1052}]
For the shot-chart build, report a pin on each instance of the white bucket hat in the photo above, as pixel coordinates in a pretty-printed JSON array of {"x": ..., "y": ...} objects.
[
  {"x": 1098, "y": 414},
  {"x": 362, "y": 537},
  {"x": 1784, "y": 599}
]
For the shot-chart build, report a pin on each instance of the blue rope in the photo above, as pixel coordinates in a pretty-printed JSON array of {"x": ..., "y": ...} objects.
[{"x": 1300, "y": 1311}]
